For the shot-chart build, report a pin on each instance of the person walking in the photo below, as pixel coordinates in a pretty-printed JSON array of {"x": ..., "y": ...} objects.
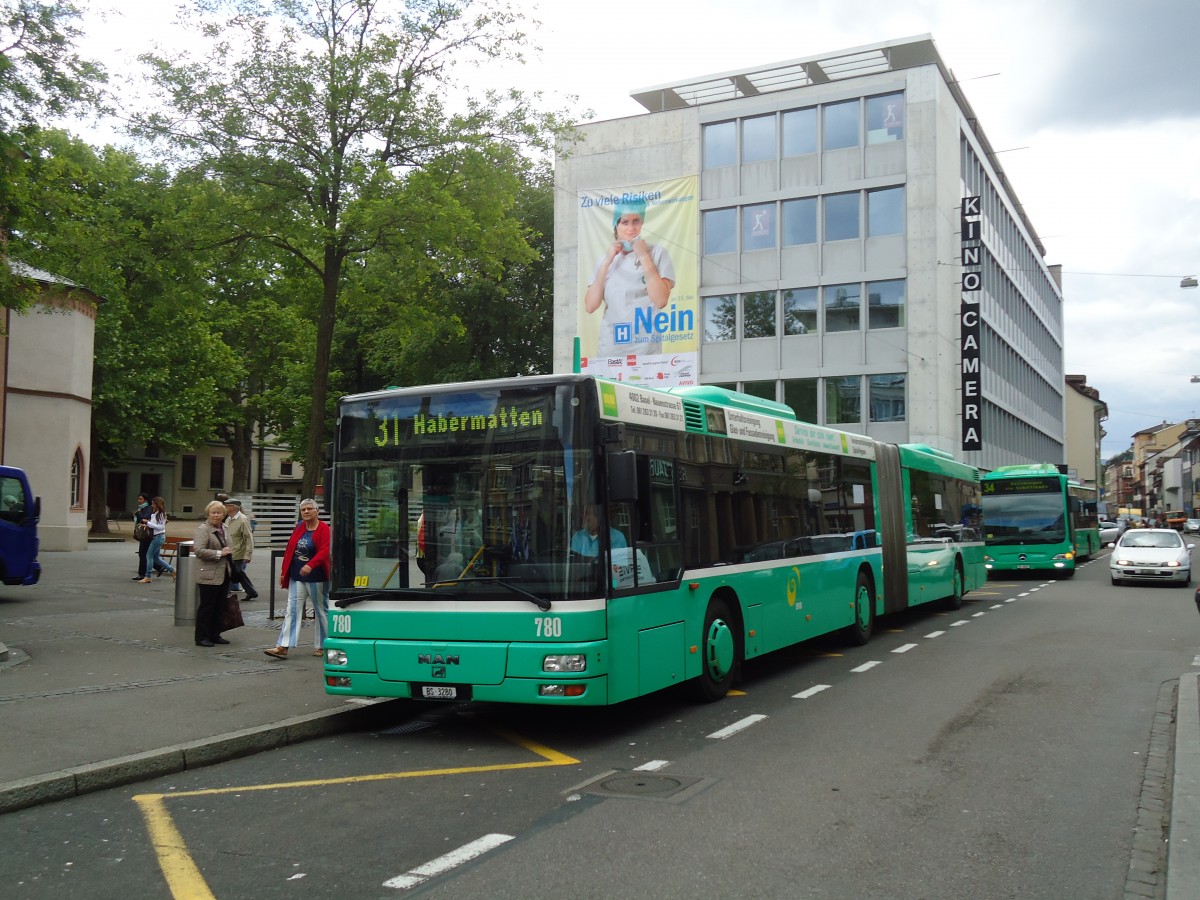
[
  {"x": 141, "y": 516},
  {"x": 214, "y": 557},
  {"x": 241, "y": 539},
  {"x": 304, "y": 573},
  {"x": 158, "y": 527}
]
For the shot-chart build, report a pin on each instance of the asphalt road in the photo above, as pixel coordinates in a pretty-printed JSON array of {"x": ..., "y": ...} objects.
[{"x": 996, "y": 752}]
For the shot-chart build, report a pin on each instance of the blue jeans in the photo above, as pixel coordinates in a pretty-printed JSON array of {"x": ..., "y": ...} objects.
[
  {"x": 317, "y": 593},
  {"x": 154, "y": 555}
]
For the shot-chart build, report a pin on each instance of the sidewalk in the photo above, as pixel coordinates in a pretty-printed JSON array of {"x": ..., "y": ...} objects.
[{"x": 100, "y": 687}]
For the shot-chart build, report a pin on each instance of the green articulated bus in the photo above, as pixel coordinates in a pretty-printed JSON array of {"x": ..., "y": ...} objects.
[
  {"x": 1037, "y": 518},
  {"x": 570, "y": 540}
]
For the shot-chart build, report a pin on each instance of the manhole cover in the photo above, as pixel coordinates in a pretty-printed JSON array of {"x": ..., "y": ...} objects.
[{"x": 645, "y": 786}]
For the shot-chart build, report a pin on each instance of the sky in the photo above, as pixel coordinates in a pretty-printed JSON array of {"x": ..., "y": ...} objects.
[{"x": 1093, "y": 107}]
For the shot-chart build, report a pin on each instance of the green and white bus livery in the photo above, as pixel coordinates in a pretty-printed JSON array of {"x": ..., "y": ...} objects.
[
  {"x": 1036, "y": 518},
  {"x": 569, "y": 540}
]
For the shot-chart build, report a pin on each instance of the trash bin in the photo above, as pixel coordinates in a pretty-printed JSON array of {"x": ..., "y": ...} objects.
[{"x": 185, "y": 584}]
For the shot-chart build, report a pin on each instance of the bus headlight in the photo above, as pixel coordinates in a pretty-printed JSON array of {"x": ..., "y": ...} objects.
[
  {"x": 564, "y": 662},
  {"x": 335, "y": 657},
  {"x": 1070, "y": 554}
]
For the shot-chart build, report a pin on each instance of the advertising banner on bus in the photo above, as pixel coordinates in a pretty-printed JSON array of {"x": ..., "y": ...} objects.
[{"x": 638, "y": 312}]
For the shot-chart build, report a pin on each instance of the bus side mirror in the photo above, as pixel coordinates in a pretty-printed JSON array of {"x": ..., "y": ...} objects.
[{"x": 622, "y": 477}]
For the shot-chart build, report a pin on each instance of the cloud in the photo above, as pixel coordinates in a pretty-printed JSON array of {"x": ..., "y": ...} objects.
[{"x": 1116, "y": 62}]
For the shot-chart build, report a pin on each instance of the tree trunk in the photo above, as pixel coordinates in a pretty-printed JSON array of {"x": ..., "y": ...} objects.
[
  {"x": 320, "y": 383},
  {"x": 240, "y": 448},
  {"x": 97, "y": 495}
]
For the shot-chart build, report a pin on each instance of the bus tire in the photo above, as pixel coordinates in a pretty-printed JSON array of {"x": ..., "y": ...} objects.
[
  {"x": 864, "y": 612},
  {"x": 955, "y": 600},
  {"x": 720, "y": 648}
]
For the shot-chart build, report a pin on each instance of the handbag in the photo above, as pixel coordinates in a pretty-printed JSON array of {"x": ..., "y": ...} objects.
[
  {"x": 142, "y": 532},
  {"x": 231, "y": 614}
]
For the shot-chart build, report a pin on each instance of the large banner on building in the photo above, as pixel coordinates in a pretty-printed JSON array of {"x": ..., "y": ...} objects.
[{"x": 638, "y": 252}]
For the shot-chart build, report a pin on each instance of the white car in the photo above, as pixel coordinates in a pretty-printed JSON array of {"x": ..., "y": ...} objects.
[
  {"x": 1109, "y": 532},
  {"x": 1151, "y": 554}
]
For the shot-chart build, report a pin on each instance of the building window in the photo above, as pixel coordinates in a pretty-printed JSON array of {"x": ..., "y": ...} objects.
[
  {"x": 763, "y": 390},
  {"x": 720, "y": 318},
  {"x": 800, "y": 221},
  {"x": 285, "y": 468},
  {"x": 800, "y": 312},
  {"x": 841, "y": 125},
  {"x": 843, "y": 400},
  {"x": 720, "y": 145},
  {"x": 758, "y": 138},
  {"x": 77, "y": 480},
  {"x": 885, "y": 212},
  {"x": 720, "y": 231},
  {"x": 758, "y": 316},
  {"x": 885, "y": 118},
  {"x": 841, "y": 217},
  {"x": 758, "y": 227},
  {"x": 843, "y": 307},
  {"x": 216, "y": 473},
  {"x": 801, "y": 395},
  {"x": 885, "y": 304},
  {"x": 800, "y": 132},
  {"x": 887, "y": 397},
  {"x": 187, "y": 471}
]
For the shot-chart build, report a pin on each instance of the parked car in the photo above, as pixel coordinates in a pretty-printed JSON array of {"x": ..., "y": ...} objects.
[
  {"x": 1191, "y": 526},
  {"x": 1151, "y": 554},
  {"x": 1109, "y": 532}
]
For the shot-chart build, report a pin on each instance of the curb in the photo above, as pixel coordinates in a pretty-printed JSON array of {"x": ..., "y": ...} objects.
[
  {"x": 1183, "y": 860},
  {"x": 123, "y": 770}
]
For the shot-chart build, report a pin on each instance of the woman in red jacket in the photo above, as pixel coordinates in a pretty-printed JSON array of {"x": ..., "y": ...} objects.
[{"x": 305, "y": 574}]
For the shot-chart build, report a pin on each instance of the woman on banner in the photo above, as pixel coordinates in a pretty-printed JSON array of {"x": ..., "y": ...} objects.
[{"x": 630, "y": 274}]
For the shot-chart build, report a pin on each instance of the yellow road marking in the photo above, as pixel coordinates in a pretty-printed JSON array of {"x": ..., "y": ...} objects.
[{"x": 183, "y": 875}]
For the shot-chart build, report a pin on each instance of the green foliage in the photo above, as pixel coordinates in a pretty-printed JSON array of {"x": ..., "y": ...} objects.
[
  {"x": 40, "y": 74},
  {"x": 107, "y": 221},
  {"x": 328, "y": 122}
]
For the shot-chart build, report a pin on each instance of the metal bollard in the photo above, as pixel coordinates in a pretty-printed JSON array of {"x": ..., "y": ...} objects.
[{"x": 186, "y": 596}]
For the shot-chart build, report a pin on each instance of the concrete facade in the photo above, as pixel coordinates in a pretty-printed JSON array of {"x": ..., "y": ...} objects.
[
  {"x": 47, "y": 404},
  {"x": 940, "y": 156}
]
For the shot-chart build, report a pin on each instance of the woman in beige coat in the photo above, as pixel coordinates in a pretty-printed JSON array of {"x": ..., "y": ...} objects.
[{"x": 213, "y": 554}]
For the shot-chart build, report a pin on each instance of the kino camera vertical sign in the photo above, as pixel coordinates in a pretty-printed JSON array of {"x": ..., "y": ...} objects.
[{"x": 972, "y": 437}]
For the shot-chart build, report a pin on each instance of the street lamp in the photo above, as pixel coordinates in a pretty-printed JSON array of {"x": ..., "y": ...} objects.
[{"x": 1188, "y": 282}]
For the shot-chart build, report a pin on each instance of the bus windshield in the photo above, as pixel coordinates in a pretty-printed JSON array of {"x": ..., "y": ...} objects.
[
  {"x": 486, "y": 493},
  {"x": 1025, "y": 518}
]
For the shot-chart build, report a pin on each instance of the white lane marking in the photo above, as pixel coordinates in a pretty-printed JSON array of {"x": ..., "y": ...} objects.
[
  {"x": 934, "y": 634},
  {"x": 867, "y": 665},
  {"x": 959, "y": 622},
  {"x": 653, "y": 766},
  {"x": 995, "y": 606},
  {"x": 442, "y": 864},
  {"x": 1196, "y": 661},
  {"x": 1038, "y": 588},
  {"x": 737, "y": 726},
  {"x": 904, "y": 648},
  {"x": 1010, "y": 599},
  {"x": 978, "y": 614},
  {"x": 811, "y": 692}
]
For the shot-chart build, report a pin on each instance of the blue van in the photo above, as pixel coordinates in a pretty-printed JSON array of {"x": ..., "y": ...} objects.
[{"x": 19, "y": 514}]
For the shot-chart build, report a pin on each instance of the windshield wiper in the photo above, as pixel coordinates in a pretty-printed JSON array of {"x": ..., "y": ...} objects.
[
  {"x": 541, "y": 602},
  {"x": 441, "y": 587}
]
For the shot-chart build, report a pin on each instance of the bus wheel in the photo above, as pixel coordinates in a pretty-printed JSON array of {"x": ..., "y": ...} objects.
[
  {"x": 955, "y": 600},
  {"x": 864, "y": 612},
  {"x": 719, "y": 646}
]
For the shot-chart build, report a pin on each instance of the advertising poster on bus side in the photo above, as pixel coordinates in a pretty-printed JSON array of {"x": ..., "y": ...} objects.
[{"x": 638, "y": 252}]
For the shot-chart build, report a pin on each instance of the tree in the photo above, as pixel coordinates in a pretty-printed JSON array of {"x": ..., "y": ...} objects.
[
  {"x": 472, "y": 323},
  {"x": 40, "y": 74},
  {"x": 104, "y": 219},
  {"x": 326, "y": 114}
]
